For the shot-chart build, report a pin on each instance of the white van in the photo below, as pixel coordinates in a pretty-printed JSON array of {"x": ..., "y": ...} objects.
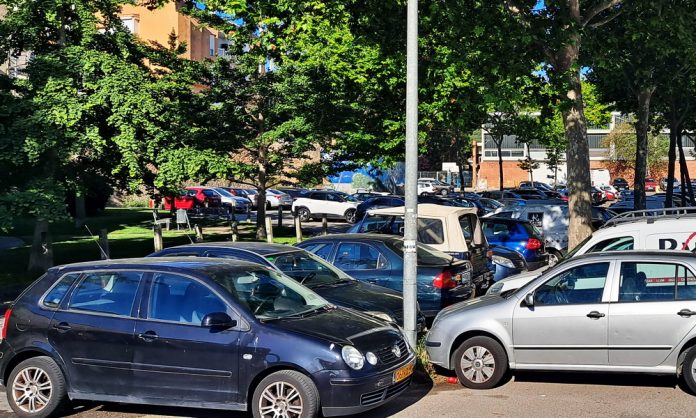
[
  {"x": 600, "y": 177},
  {"x": 654, "y": 229}
]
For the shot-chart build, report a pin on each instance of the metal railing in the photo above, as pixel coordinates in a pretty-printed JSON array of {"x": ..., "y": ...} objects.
[{"x": 651, "y": 215}]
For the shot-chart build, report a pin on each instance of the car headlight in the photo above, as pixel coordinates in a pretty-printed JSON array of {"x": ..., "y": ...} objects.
[
  {"x": 496, "y": 288},
  {"x": 503, "y": 261},
  {"x": 353, "y": 358},
  {"x": 381, "y": 315}
]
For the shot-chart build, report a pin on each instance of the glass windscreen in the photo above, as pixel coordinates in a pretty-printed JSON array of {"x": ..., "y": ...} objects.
[{"x": 308, "y": 269}]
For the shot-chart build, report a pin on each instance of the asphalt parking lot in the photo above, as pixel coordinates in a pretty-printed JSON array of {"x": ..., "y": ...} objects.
[{"x": 527, "y": 395}]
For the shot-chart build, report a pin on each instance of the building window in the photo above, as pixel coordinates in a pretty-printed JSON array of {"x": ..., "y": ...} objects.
[
  {"x": 212, "y": 45},
  {"x": 131, "y": 23}
]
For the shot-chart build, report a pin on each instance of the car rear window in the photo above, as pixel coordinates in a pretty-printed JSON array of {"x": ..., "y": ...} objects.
[{"x": 426, "y": 256}]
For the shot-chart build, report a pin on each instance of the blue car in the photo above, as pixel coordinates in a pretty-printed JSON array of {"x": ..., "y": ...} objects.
[
  {"x": 194, "y": 332},
  {"x": 517, "y": 235},
  {"x": 506, "y": 262},
  {"x": 378, "y": 259}
]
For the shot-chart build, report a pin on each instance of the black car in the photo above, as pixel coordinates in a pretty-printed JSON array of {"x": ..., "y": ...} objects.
[
  {"x": 194, "y": 332},
  {"x": 500, "y": 194},
  {"x": 329, "y": 282},
  {"x": 372, "y": 258},
  {"x": 395, "y": 201},
  {"x": 293, "y": 192},
  {"x": 620, "y": 184}
]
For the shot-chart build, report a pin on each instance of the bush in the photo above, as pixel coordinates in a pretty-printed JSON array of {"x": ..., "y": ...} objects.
[{"x": 135, "y": 201}]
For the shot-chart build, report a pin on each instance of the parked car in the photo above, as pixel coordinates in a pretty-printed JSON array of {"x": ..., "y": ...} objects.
[
  {"x": 452, "y": 230},
  {"x": 535, "y": 185},
  {"x": 650, "y": 184},
  {"x": 378, "y": 203},
  {"x": 664, "y": 183},
  {"x": 312, "y": 271},
  {"x": 620, "y": 184},
  {"x": 428, "y": 186},
  {"x": 205, "y": 196},
  {"x": 275, "y": 198},
  {"x": 518, "y": 235},
  {"x": 506, "y": 262},
  {"x": 329, "y": 203},
  {"x": 553, "y": 221},
  {"x": 536, "y": 194},
  {"x": 194, "y": 332},
  {"x": 468, "y": 203},
  {"x": 251, "y": 194},
  {"x": 610, "y": 192},
  {"x": 293, "y": 192},
  {"x": 598, "y": 196},
  {"x": 664, "y": 229},
  {"x": 378, "y": 259},
  {"x": 500, "y": 194},
  {"x": 490, "y": 205},
  {"x": 183, "y": 200},
  {"x": 607, "y": 312},
  {"x": 656, "y": 201},
  {"x": 237, "y": 203}
]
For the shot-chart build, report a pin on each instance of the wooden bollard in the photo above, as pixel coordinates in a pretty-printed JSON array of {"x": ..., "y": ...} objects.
[
  {"x": 269, "y": 230},
  {"x": 235, "y": 232},
  {"x": 280, "y": 215},
  {"x": 324, "y": 225},
  {"x": 199, "y": 232},
  {"x": 104, "y": 243},
  {"x": 298, "y": 228},
  {"x": 157, "y": 229}
]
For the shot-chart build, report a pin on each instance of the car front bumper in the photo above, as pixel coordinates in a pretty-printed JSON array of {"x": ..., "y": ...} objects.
[{"x": 348, "y": 396}]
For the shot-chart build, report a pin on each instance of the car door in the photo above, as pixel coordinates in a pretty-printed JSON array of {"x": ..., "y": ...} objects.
[
  {"x": 567, "y": 324},
  {"x": 651, "y": 312},
  {"x": 175, "y": 357},
  {"x": 335, "y": 205},
  {"x": 92, "y": 331},
  {"x": 366, "y": 263}
]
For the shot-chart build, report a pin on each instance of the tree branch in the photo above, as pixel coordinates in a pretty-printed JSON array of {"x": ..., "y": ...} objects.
[
  {"x": 606, "y": 20},
  {"x": 597, "y": 9}
]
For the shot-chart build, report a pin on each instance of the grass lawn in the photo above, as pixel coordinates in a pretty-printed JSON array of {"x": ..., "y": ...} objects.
[{"x": 130, "y": 235}]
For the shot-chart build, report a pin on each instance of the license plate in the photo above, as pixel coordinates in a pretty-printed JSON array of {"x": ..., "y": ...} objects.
[{"x": 403, "y": 372}]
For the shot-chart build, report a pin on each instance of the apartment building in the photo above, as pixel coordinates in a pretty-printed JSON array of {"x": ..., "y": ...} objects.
[{"x": 157, "y": 26}]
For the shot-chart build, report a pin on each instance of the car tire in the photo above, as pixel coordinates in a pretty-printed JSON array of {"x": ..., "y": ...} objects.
[
  {"x": 304, "y": 214},
  {"x": 282, "y": 390},
  {"x": 554, "y": 258},
  {"x": 444, "y": 192},
  {"x": 350, "y": 216},
  {"x": 24, "y": 388},
  {"x": 480, "y": 363},
  {"x": 689, "y": 369}
]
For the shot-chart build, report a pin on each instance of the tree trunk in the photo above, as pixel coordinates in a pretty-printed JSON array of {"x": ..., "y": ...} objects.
[
  {"x": 41, "y": 256},
  {"x": 261, "y": 202},
  {"x": 499, "y": 144},
  {"x": 642, "y": 126},
  {"x": 580, "y": 200},
  {"x": 686, "y": 182},
  {"x": 80, "y": 210},
  {"x": 674, "y": 131}
]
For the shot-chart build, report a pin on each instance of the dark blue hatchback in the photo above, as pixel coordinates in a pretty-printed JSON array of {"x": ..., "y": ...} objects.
[
  {"x": 517, "y": 235},
  {"x": 194, "y": 332}
]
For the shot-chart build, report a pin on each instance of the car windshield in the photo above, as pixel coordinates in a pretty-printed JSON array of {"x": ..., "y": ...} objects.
[
  {"x": 223, "y": 192},
  {"x": 251, "y": 191},
  {"x": 308, "y": 269},
  {"x": 268, "y": 294},
  {"x": 426, "y": 255}
]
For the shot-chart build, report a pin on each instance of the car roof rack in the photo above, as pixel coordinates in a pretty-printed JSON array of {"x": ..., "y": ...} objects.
[{"x": 651, "y": 215}]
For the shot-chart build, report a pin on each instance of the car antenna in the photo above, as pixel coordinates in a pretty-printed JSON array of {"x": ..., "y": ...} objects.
[{"x": 96, "y": 241}]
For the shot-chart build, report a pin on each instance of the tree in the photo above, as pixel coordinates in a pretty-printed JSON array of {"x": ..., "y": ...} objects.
[
  {"x": 622, "y": 143},
  {"x": 557, "y": 29},
  {"x": 528, "y": 164}
]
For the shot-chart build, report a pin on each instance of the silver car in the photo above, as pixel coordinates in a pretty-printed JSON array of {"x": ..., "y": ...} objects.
[{"x": 627, "y": 311}]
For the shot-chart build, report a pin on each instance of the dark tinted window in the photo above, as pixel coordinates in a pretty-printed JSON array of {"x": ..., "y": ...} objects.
[
  {"x": 106, "y": 292},
  {"x": 333, "y": 197},
  {"x": 209, "y": 193},
  {"x": 356, "y": 256},
  {"x": 57, "y": 293},
  {"x": 180, "y": 299},
  {"x": 317, "y": 196}
]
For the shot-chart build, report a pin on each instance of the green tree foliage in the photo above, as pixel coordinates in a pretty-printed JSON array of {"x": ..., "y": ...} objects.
[{"x": 621, "y": 142}]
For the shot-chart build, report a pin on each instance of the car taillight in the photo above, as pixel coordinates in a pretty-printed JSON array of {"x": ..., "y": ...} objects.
[
  {"x": 489, "y": 254},
  {"x": 444, "y": 281},
  {"x": 533, "y": 244},
  {"x": 5, "y": 324}
]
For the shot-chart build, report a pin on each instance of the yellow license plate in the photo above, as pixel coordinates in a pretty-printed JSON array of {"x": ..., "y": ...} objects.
[{"x": 403, "y": 372}]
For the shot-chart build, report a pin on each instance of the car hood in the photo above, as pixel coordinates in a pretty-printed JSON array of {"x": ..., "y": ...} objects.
[
  {"x": 355, "y": 328},
  {"x": 363, "y": 297},
  {"x": 476, "y": 303}
]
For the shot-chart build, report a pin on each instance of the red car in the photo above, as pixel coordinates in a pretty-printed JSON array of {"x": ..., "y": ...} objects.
[
  {"x": 184, "y": 200},
  {"x": 205, "y": 197},
  {"x": 650, "y": 184}
]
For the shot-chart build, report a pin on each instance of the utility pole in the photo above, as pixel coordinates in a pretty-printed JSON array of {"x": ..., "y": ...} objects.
[{"x": 411, "y": 180}]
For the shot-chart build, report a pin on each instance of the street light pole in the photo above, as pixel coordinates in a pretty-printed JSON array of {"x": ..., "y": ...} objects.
[{"x": 411, "y": 180}]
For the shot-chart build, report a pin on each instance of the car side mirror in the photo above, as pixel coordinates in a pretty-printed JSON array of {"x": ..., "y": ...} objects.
[
  {"x": 529, "y": 299},
  {"x": 218, "y": 320}
]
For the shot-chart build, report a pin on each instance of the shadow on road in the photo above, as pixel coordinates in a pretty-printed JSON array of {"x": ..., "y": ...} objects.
[{"x": 599, "y": 379}]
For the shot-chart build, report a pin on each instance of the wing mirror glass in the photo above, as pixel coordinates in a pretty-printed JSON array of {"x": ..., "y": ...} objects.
[
  {"x": 218, "y": 320},
  {"x": 529, "y": 299}
]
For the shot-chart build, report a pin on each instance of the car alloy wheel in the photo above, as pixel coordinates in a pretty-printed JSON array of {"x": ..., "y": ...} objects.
[
  {"x": 285, "y": 394},
  {"x": 350, "y": 216},
  {"x": 303, "y": 214},
  {"x": 554, "y": 258},
  {"x": 32, "y": 390},
  {"x": 444, "y": 192},
  {"x": 36, "y": 388}
]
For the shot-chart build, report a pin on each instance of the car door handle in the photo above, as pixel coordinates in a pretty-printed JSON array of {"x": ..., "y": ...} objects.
[
  {"x": 62, "y": 327},
  {"x": 686, "y": 313},
  {"x": 595, "y": 315},
  {"x": 148, "y": 336}
]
